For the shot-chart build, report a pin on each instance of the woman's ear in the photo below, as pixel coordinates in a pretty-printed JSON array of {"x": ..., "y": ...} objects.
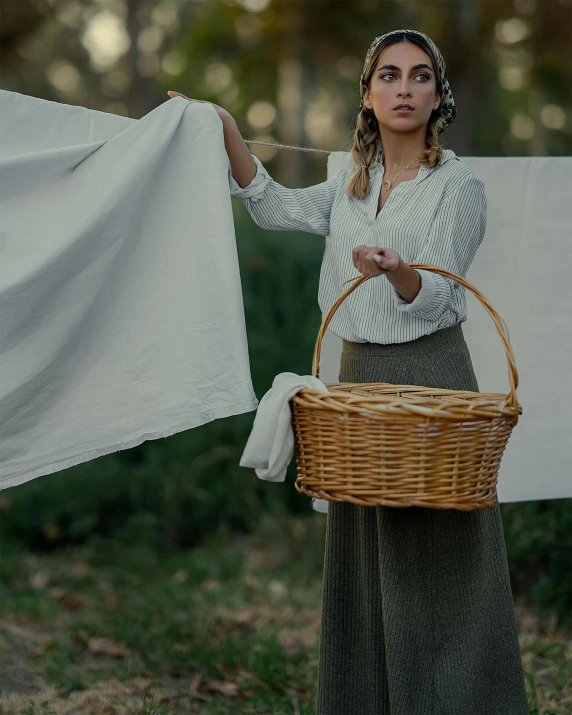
[{"x": 366, "y": 99}]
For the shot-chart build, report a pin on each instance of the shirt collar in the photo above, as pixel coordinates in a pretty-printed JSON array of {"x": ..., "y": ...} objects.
[{"x": 448, "y": 155}]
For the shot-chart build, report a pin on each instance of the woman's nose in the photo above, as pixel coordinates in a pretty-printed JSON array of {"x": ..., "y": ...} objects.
[{"x": 404, "y": 88}]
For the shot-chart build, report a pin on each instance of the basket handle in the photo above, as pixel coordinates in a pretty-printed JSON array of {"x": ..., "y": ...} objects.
[{"x": 498, "y": 321}]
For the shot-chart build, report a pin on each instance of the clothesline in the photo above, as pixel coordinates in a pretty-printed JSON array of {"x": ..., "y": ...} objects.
[{"x": 287, "y": 146}]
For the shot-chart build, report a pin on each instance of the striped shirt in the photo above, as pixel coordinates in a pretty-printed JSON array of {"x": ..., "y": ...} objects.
[{"x": 439, "y": 218}]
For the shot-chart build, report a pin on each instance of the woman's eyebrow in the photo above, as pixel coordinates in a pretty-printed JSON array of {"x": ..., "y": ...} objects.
[{"x": 395, "y": 67}]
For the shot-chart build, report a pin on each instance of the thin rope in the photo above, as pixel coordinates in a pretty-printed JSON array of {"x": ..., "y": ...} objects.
[{"x": 287, "y": 146}]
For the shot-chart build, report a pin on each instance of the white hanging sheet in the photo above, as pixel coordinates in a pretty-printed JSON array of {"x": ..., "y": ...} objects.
[
  {"x": 523, "y": 268},
  {"x": 121, "y": 311}
]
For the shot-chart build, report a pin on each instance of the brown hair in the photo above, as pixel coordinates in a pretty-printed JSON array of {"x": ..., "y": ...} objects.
[{"x": 367, "y": 146}]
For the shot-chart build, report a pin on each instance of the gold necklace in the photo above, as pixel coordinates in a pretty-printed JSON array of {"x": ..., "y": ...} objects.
[{"x": 387, "y": 182}]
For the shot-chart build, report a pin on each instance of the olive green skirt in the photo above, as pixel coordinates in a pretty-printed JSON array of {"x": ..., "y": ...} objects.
[{"x": 417, "y": 612}]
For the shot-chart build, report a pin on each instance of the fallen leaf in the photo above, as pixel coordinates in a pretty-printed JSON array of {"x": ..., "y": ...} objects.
[
  {"x": 545, "y": 671},
  {"x": 244, "y": 673},
  {"x": 107, "y": 646},
  {"x": 252, "y": 582},
  {"x": 42, "y": 647},
  {"x": 80, "y": 568},
  {"x": 40, "y": 579},
  {"x": 57, "y": 592},
  {"x": 245, "y": 617},
  {"x": 248, "y": 693},
  {"x": 195, "y": 686},
  {"x": 224, "y": 687},
  {"x": 68, "y": 599},
  {"x": 211, "y": 585}
]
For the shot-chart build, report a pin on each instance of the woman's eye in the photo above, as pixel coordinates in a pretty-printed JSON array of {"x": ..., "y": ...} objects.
[{"x": 421, "y": 74}]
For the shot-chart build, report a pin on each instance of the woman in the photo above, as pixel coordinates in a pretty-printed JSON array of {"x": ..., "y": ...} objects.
[{"x": 417, "y": 613}]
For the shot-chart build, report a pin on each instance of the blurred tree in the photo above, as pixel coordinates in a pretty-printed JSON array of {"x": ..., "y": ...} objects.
[
  {"x": 19, "y": 20},
  {"x": 506, "y": 64}
]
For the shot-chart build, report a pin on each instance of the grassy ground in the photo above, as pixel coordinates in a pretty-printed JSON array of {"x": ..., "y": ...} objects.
[{"x": 229, "y": 628}]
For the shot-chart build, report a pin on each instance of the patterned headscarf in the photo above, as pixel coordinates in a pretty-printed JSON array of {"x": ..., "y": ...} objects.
[{"x": 448, "y": 110}]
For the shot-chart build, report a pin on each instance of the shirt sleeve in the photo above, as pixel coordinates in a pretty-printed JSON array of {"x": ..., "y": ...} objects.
[
  {"x": 456, "y": 232},
  {"x": 277, "y": 208}
]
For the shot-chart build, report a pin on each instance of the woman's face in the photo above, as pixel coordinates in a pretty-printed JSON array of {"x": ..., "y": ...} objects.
[{"x": 403, "y": 83}]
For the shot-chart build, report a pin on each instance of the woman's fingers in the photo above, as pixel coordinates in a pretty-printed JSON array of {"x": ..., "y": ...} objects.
[
  {"x": 365, "y": 256},
  {"x": 222, "y": 113},
  {"x": 172, "y": 94},
  {"x": 382, "y": 264}
]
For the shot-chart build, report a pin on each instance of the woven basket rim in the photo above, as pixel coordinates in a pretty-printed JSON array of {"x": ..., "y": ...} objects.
[
  {"x": 467, "y": 395},
  {"x": 487, "y": 406}
]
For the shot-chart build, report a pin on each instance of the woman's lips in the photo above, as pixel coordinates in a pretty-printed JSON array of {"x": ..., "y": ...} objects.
[{"x": 403, "y": 110}]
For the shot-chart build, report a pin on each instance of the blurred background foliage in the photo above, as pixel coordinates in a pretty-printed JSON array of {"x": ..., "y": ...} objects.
[{"x": 288, "y": 71}]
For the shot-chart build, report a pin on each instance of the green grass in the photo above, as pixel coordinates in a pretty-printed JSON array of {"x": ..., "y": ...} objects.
[{"x": 231, "y": 627}]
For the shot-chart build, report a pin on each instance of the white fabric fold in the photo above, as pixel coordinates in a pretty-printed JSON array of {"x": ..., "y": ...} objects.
[
  {"x": 270, "y": 446},
  {"x": 122, "y": 317}
]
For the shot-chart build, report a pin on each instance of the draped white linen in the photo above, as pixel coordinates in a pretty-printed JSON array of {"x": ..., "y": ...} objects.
[{"x": 121, "y": 310}]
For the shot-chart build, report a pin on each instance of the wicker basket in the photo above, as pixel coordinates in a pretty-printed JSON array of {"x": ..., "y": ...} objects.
[{"x": 403, "y": 445}]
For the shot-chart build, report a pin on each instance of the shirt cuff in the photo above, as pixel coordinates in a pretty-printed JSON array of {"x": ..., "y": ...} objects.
[
  {"x": 256, "y": 187},
  {"x": 423, "y": 298}
]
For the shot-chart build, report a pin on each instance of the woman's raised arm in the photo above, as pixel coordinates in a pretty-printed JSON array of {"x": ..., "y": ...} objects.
[
  {"x": 271, "y": 205},
  {"x": 241, "y": 160}
]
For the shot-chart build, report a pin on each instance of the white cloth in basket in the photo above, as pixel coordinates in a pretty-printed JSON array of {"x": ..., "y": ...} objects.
[{"x": 270, "y": 446}]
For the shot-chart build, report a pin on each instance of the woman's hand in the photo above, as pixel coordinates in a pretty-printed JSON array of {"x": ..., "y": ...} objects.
[
  {"x": 374, "y": 262},
  {"x": 222, "y": 113}
]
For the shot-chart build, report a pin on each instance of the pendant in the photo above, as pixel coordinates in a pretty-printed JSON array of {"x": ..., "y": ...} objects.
[{"x": 387, "y": 184}]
